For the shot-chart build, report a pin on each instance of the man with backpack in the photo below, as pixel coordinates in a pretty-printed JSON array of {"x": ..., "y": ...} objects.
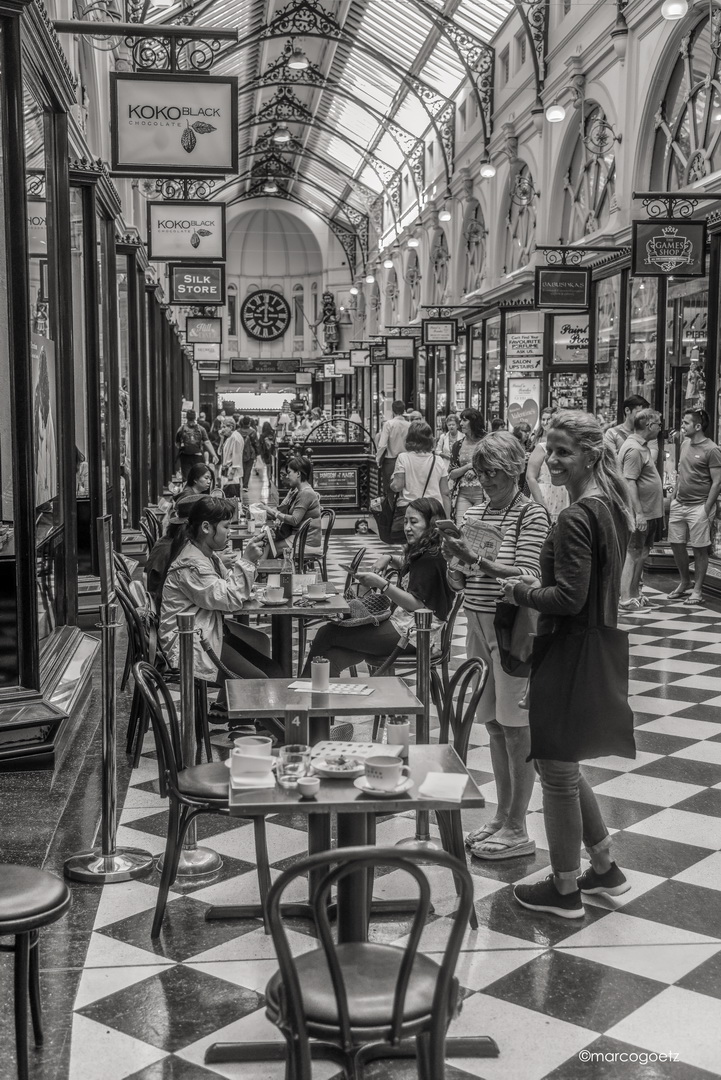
[
  {"x": 251, "y": 448},
  {"x": 192, "y": 442}
]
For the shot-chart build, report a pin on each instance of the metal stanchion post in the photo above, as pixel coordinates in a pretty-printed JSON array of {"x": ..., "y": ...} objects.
[
  {"x": 108, "y": 863},
  {"x": 424, "y": 619},
  {"x": 194, "y": 861}
]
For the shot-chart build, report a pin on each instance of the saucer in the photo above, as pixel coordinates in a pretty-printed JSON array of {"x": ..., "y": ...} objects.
[
  {"x": 322, "y": 768},
  {"x": 363, "y": 785},
  {"x": 318, "y": 599},
  {"x": 275, "y": 603}
]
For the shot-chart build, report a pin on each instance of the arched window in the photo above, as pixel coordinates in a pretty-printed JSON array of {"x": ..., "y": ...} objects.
[
  {"x": 521, "y": 218},
  {"x": 590, "y": 182},
  {"x": 298, "y": 311},
  {"x": 687, "y": 147}
]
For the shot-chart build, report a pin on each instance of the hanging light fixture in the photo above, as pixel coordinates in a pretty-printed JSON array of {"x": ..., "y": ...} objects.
[
  {"x": 270, "y": 187},
  {"x": 555, "y": 113},
  {"x": 388, "y": 262},
  {"x": 672, "y": 10},
  {"x": 370, "y": 278},
  {"x": 353, "y": 291},
  {"x": 413, "y": 242},
  {"x": 488, "y": 169},
  {"x": 444, "y": 213},
  {"x": 282, "y": 134},
  {"x": 297, "y": 60}
]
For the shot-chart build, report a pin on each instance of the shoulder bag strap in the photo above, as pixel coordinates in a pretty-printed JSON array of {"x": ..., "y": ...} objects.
[
  {"x": 430, "y": 473},
  {"x": 595, "y": 585}
]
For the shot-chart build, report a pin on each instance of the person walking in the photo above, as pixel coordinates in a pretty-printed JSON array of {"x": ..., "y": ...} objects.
[
  {"x": 467, "y": 488},
  {"x": 232, "y": 458},
  {"x": 251, "y": 448},
  {"x": 498, "y": 463},
  {"x": 616, "y": 435},
  {"x": 693, "y": 506},
  {"x": 581, "y": 566},
  {"x": 637, "y": 462},
  {"x": 449, "y": 438},
  {"x": 192, "y": 442},
  {"x": 419, "y": 471},
  {"x": 391, "y": 443}
]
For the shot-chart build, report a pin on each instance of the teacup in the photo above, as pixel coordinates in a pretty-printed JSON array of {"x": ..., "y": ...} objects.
[
  {"x": 308, "y": 786},
  {"x": 385, "y": 773},
  {"x": 274, "y": 593},
  {"x": 254, "y": 745},
  {"x": 316, "y": 591}
]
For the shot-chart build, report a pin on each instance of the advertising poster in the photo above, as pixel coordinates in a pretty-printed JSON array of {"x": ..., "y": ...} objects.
[
  {"x": 44, "y": 419},
  {"x": 524, "y": 352},
  {"x": 186, "y": 230},
  {"x": 360, "y": 358},
  {"x": 570, "y": 339},
  {"x": 173, "y": 125},
  {"x": 524, "y": 401},
  {"x": 203, "y": 328},
  {"x": 338, "y": 487}
]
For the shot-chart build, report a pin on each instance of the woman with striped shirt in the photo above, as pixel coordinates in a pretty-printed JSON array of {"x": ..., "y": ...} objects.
[{"x": 523, "y": 524}]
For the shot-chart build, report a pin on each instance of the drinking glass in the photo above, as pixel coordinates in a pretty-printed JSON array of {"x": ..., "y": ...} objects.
[{"x": 293, "y": 762}]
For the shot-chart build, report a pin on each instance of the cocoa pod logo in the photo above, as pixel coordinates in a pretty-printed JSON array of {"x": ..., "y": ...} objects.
[
  {"x": 195, "y": 238},
  {"x": 189, "y": 139}
]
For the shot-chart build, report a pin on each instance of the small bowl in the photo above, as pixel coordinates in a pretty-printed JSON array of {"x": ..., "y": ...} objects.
[{"x": 308, "y": 786}]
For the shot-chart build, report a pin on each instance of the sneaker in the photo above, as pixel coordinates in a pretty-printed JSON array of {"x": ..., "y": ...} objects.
[
  {"x": 544, "y": 896},
  {"x": 612, "y": 883},
  {"x": 633, "y": 604}
]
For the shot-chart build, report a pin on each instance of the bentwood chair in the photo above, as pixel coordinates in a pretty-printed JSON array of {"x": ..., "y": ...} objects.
[
  {"x": 300, "y": 539},
  {"x": 190, "y": 789},
  {"x": 327, "y": 521},
  {"x": 303, "y": 624},
  {"x": 360, "y": 1001}
]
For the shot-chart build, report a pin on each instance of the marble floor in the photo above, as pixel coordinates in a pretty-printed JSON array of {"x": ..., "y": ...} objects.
[{"x": 634, "y": 990}]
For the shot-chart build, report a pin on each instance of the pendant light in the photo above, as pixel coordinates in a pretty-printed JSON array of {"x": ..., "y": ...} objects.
[
  {"x": 413, "y": 242},
  {"x": 353, "y": 290},
  {"x": 270, "y": 187},
  {"x": 445, "y": 214},
  {"x": 370, "y": 278},
  {"x": 555, "y": 113},
  {"x": 282, "y": 134},
  {"x": 488, "y": 169},
  {"x": 298, "y": 61},
  {"x": 388, "y": 262},
  {"x": 672, "y": 10}
]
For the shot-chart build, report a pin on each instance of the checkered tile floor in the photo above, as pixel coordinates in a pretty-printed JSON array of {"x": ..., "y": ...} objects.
[{"x": 641, "y": 975}]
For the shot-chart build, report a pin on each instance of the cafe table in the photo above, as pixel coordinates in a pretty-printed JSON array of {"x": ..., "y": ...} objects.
[
  {"x": 308, "y": 714},
  {"x": 355, "y": 815},
  {"x": 282, "y": 616}
]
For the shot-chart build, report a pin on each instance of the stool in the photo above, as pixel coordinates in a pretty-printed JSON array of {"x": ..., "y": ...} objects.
[{"x": 29, "y": 899}]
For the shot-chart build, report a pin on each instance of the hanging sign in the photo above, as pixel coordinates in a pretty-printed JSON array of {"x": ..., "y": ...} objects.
[
  {"x": 379, "y": 355},
  {"x": 207, "y": 352},
  {"x": 186, "y": 230},
  {"x": 37, "y": 227},
  {"x": 329, "y": 371},
  {"x": 343, "y": 366},
  {"x": 173, "y": 125},
  {"x": 208, "y": 330},
  {"x": 239, "y": 365},
  {"x": 440, "y": 331},
  {"x": 570, "y": 339},
  {"x": 524, "y": 396},
  {"x": 563, "y": 287},
  {"x": 520, "y": 345},
  {"x": 668, "y": 246},
  {"x": 400, "y": 348},
  {"x": 196, "y": 284},
  {"x": 360, "y": 358}
]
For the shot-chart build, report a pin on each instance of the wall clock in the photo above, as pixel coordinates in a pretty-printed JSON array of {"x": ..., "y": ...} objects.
[{"x": 265, "y": 315}]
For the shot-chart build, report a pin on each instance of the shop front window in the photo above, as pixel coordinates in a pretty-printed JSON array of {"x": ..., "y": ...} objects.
[
  {"x": 642, "y": 340},
  {"x": 686, "y": 345},
  {"x": 608, "y": 307},
  {"x": 475, "y": 397},
  {"x": 124, "y": 396},
  {"x": 421, "y": 380},
  {"x": 458, "y": 359},
  {"x": 441, "y": 383},
  {"x": 45, "y": 434},
  {"x": 492, "y": 388}
]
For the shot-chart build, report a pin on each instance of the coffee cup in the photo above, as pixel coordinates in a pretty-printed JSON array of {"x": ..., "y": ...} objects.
[
  {"x": 245, "y": 764},
  {"x": 320, "y": 674},
  {"x": 254, "y": 745},
  {"x": 308, "y": 786},
  {"x": 385, "y": 773},
  {"x": 273, "y": 581},
  {"x": 316, "y": 591},
  {"x": 274, "y": 593}
]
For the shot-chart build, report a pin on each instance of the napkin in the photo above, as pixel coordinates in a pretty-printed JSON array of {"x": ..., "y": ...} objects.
[{"x": 446, "y": 786}]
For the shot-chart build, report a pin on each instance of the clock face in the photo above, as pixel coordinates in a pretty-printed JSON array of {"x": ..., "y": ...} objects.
[{"x": 265, "y": 315}]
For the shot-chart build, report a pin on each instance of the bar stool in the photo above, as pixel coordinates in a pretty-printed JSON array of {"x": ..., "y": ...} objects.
[{"x": 29, "y": 900}]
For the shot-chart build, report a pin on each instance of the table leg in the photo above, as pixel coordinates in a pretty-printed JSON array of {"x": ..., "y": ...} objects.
[
  {"x": 282, "y": 643},
  {"x": 353, "y": 888}
]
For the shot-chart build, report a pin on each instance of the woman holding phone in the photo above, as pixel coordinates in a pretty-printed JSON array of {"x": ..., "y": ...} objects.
[
  {"x": 423, "y": 584},
  {"x": 521, "y": 527}
]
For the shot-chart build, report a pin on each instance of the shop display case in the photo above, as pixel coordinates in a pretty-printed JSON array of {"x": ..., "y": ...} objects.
[{"x": 343, "y": 460}]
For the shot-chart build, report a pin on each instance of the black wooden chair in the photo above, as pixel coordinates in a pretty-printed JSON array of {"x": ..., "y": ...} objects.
[
  {"x": 327, "y": 521},
  {"x": 300, "y": 539},
  {"x": 360, "y": 1001},
  {"x": 148, "y": 532},
  {"x": 29, "y": 900},
  {"x": 303, "y": 624},
  {"x": 190, "y": 789}
]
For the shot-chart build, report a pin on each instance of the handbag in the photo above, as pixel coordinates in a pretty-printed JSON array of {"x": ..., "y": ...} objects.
[
  {"x": 579, "y": 683},
  {"x": 515, "y": 628}
]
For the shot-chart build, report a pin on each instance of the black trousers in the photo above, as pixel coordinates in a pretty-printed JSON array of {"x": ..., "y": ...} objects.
[
  {"x": 186, "y": 462},
  {"x": 241, "y": 654},
  {"x": 344, "y": 647}
]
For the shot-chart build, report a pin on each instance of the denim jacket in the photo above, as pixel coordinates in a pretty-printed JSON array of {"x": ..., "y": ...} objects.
[{"x": 200, "y": 585}]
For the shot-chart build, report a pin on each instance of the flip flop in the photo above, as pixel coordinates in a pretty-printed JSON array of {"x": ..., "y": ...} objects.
[
  {"x": 693, "y": 601},
  {"x": 495, "y": 850},
  {"x": 479, "y": 836},
  {"x": 678, "y": 593}
]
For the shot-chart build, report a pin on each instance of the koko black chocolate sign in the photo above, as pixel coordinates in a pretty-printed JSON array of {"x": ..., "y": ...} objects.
[
  {"x": 563, "y": 287},
  {"x": 667, "y": 246}
]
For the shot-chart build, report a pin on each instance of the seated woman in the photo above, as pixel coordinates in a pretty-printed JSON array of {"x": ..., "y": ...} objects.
[
  {"x": 159, "y": 555},
  {"x": 201, "y": 479},
  {"x": 300, "y": 504},
  {"x": 197, "y": 582},
  {"x": 423, "y": 585}
]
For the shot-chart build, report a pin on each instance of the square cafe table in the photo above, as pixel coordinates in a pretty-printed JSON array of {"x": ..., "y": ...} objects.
[
  {"x": 272, "y": 697},
  {"x": 354, "y": 810},
  {"x": 282, "y": 622}
]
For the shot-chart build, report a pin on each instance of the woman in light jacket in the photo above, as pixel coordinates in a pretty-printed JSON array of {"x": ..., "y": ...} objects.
[{"x": 419, "y": 473}]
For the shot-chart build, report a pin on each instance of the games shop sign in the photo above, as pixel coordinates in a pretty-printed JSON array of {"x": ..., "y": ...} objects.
[
  {"x": 186, "y": 230},
  {"x": 173, "y": 125}
]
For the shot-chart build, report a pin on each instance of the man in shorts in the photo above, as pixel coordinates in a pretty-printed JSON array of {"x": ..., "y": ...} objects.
[
  {"x": 693, "y": 506},
  {"x": 637, "y": 461}
]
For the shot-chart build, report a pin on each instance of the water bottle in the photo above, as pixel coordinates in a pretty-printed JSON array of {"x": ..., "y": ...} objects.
[{"x": 286, "y": 575}]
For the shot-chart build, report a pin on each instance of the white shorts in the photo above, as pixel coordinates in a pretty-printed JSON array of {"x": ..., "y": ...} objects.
[
  {"x": 688, "y": 524},
  {"x": 499, "y": 700}
]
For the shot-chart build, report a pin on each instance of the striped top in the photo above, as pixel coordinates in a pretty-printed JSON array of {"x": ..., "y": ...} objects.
[{"x": 482, "y": 590}]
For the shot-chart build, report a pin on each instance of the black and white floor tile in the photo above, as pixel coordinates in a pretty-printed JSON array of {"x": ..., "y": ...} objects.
[{"x": 633, "y": 990}]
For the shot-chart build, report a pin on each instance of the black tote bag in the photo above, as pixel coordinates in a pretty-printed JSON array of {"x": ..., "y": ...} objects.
[{"x": 579, "y": 684}]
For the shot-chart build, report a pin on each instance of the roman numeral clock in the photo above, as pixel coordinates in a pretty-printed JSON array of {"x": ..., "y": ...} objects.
[{"x": 265, "y": 315}]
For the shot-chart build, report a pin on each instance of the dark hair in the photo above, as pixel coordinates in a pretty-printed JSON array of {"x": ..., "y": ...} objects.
[
  {"x": 700, "y": 416},
  {"x": 399, "y": 407},
  {"x": 302, "y": 465},
  {"x": 206, "y": 508},
  {"x": 196, "y": 471},
  {"x": 635, "y": 401},
  {"x": 431, "y": 541},
  {"x": 267, "y": 430},
  {"x": 419, "y": 437},
  {"x": 190, "y": 414},
  {"x": 498, "y": 424},
  {"x": 476, "y": 421},
  {"x": 520, "y": 429}
]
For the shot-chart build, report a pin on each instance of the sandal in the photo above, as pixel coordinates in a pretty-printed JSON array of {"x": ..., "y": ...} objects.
[
  {"x": 480, "y": 835},
  {"x": 495, "y": 850},
  {"x": 680, "y": 592},
  {"x": 693, "y": 601}
]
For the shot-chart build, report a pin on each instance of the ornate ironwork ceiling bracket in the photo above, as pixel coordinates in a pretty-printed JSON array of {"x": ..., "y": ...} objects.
[
  {"x": 534, "y": 16},
  {"x": 185, "y": 189},
  {"x": 560, "y": 255},
  {"x": 172, "y": 48},
  {"x": 302, "y": 18},
  {"x": 443, "y": 111},
  {"x": 658, "y": 204},
  {"x": 285, "y": 106}
]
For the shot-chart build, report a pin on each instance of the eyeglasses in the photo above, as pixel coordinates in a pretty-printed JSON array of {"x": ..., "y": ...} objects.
[{"x": 490, "y": 474}]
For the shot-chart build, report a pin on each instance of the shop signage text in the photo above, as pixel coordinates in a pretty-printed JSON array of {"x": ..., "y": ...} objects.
[
  {"x": 440, "y": 331},
  {"x": 204, "y": 329},
  {"x": 360, "y": 358},
  {"x": 563, "y": 287},
  {"x": 197, "y": 284},
  {"x": 37, "y": 227},
  {"x": 570, "y": 340},
  {"x": 522, "y": 345},
  {"x": 270, "y": 365},
  {"x": 163, "y": 125},
  {"x": 379, "y": 355},
  {"x": 668, "y": 246},
  {"x": 337, "y": 487},
  {"x": 186, "y": 230},
  {"x": 203, "y": 351},
  {"x": 524, "y": 397},
  {"x": 400, "y": 348}
]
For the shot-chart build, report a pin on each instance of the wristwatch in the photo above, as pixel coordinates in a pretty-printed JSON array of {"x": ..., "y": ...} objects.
[{"x": 386, "y": 587}]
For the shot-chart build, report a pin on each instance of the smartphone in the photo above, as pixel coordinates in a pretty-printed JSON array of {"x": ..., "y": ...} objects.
[
  {"x": 348, "y": 569},
  {"x": 448, "y": 526}
]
